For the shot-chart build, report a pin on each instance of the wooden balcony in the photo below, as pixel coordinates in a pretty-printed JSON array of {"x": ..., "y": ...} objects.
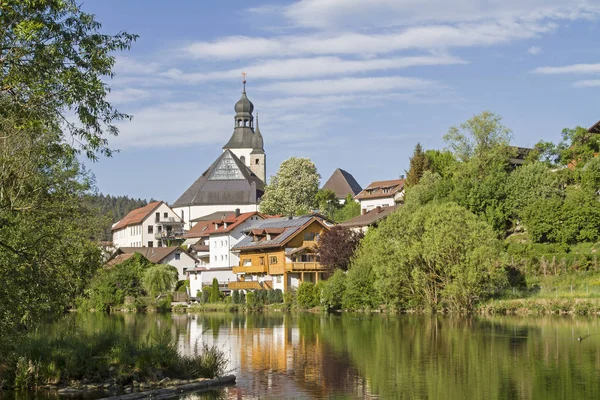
[
  {"x": 250, "y": 285},
  {"x": 251, "y": 269},
  {"x": 276, "y": 269},
  {"x": 304, "y": 266}
]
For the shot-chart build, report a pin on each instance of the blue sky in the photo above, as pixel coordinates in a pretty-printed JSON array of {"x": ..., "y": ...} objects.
[{"x": 349, "y": 84}]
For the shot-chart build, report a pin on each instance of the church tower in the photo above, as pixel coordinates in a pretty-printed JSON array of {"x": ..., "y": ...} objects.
[{"x": 246, "y": 142}]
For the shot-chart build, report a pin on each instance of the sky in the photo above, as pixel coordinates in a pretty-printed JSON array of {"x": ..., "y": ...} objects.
[{"x": 349, "y": 84}]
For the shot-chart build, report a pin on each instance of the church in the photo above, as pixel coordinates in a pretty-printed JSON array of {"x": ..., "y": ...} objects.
[{"x": 236, "y": 179}]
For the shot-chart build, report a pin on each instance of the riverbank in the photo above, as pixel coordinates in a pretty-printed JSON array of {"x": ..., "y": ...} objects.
[
  {"x": 541, "y": 306},
  {"x": 75, "y": 361}
]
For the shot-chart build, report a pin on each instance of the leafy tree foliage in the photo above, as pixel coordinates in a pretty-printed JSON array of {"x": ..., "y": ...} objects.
[
  {"x": 438, "y": 255},
  {"x": 337, "y": 246},
  {"x": 576, "y": 148},
  {"x": 419, "y": 163},
  {"x": 332, "y": 295},
  {"x": 349, "y": 210},
  {"x": 292, "y": 191},
  {"x": 215, "y": 292},
  {"x": 307, "y": 295},
  {"x": 159, "y": 278},
  {"x": 54, "y": 59},
  {"x": 111, "y": 209},
  {"x": 327, "y": 203},
  {"x": 110, "y": 286}
]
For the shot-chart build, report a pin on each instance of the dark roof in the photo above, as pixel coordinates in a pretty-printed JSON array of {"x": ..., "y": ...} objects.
[
  {"x": 595, "y": 128},
  {"x": 211, "y": 216},
  {"x": 226, "y": 181},
  {"x": 342, "y": 183},
  {"x": 153, "y": 254},
  {"x": 371, "y": 217},
  {"x": 378, "y": 189},
  {"x": 288, "y": 227},
  {"x": 136, "y": 216}
]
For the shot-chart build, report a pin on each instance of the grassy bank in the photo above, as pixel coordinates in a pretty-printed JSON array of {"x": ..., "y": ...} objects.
[
  {"x": 541, "y": 306},
  {"x": 67, "y": 359}
]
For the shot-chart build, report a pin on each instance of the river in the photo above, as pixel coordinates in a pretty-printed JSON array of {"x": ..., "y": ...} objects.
[{"x": 384, "y": 356}]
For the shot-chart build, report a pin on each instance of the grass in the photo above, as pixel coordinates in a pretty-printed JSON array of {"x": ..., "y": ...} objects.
[{"x": 37, "y": 360}]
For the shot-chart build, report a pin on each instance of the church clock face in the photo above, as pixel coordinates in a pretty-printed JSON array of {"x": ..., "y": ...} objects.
[{"x": 227, "y": 170}]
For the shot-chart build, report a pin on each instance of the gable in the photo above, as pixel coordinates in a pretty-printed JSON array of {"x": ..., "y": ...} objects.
[{"x": 226, "y": 169}]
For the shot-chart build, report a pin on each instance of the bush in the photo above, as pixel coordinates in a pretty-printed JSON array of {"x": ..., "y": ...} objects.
[
  {"x": 182, "y": 286},
  {"x": 275, "y": 296},
  {"x": 159, "y": 278},
  {"x": 307, "y": 295},
  {"x": 250, "y": 299},
  {"x": 215, "y": 292},
  {"x": 333, "y": 291},
  {"x": 206, "y": 290},
  {"x": 289, "y": 298},
  {"x": 260, "y": 297},
  {"x": 236, "y": 296}
]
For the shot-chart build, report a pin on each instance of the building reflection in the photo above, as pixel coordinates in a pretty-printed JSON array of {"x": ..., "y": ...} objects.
[{"x": 277, "y": 357}]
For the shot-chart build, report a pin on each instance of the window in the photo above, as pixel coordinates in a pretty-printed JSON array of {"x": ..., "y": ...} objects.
[
  {"x": 150, "y": 228},
  {"x": 150, "y": 244},
  {"x": 157, "y": 216},
  {"x": 278, "y": 278},
  {"x": 246, "y": 262},
  {"x": 273, "y": 260},
  {"x": 262, "y": 261},
  {"x": 309, "y": 236},
  {"x": 257, "y": 161},
  {"x": 215, "y": 258},
  {"x": 178, "y": 257},
  {"x": 159, "y": 243},
  {"x": 243, "y": 160},
  {"x": 166, "y": 215},
  {"x": 222, "y": 257}
]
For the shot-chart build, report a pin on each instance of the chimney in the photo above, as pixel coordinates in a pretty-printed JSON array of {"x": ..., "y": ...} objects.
[
  {"x": 290, "y": 217},
  {"x": 378, "y": 209},
  {"x": 364, "y": 211},
  {"x": 237, "y": 212},
  {"x": 401, "y": 176}
]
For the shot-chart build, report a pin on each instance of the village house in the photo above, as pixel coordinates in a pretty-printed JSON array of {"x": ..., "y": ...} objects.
[
  {"x": 154, "y": 225},
  {"x": 237, "y": 177},
  {"x": 172, "y": 255},
  {"x": 342, "y": 183},
  {"x": 280, "y": 253},
  {"x": 381, "y": 194},
  {"x": 219, "y": 236},
  {"x": 369, "y": 219}
]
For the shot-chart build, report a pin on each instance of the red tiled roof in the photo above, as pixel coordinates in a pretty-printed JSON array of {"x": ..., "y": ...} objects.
[
  {"x": 376, "y": 189},
  {"x": 205, "y": 228},
  {"x": 136, "y": 216},
  {"x": 153, "y": 254}
]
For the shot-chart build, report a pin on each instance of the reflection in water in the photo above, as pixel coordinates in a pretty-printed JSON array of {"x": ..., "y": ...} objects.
[{"x": 387, "y": 357}]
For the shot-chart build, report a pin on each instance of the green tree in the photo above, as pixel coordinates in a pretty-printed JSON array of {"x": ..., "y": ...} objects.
[
  {"x": 441, "y": 162},
  {"x": 54, "y": 62},
  {"x": 327, "y": 203},
  {"x": 336, "y": 247},
  {"x": 419, "y": 163},
  {"x": 440, "y": 255},
  {"x": 307, "y": 295},
  {"x": 292, "y": 191},
  {"x": 333, "y": 291},
  {"x": 159, "y": 278},
  {"x": 215, "y": 292},
  {"x": 349, "y": 210}
]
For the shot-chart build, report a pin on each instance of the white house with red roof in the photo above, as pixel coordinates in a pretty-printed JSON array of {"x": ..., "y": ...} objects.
[
  {"x": 154, "y": 225},
  {"x": 221, "y": 235},
  {"x": 381, "y": 194}
]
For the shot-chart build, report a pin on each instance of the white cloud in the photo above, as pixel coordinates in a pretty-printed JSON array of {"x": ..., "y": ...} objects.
[
  {"x": 328, "y": 14},
  {"x": 533, "y": 50},
  {"x": 348, "y": 85},
  {"x": 174, "y": 125},
  {"x": 434, "y": 37},
  {"x": 296, "y": 68},
  {"x": 569, "y": 69},
  {"x": 128, "y": 95},
  {"x": 587, "y": 83},
  {"x": 128, "y": 66}
]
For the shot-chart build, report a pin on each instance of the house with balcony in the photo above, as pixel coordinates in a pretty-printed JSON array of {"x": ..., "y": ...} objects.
[
  {"x": 217, "y": 238},
  {"x": 280, "y": 253},
  {"x": 381, "y": 194},
  {"x": 154, "y": 225}
]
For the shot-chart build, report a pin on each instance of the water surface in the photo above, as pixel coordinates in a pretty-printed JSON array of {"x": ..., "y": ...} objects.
[{"x": 388, "y": 357}]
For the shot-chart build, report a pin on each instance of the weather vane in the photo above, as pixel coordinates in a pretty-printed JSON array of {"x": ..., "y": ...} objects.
[{"x": 244, "y": 77}]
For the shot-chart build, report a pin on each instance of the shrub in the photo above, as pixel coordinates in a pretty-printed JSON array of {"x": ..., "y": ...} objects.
[
  {"x": 274, "y": 296},
  {"x": 236, "y": 296},
  {"x": 333, "y": 291},
  {"x": 182, "y": 286},
  {"x": 215, "y": 292},
  {"x": 250, "y": 300},
  {"x": 307, "y": 295},
  {"x": 206, "y": 290},
  {"x": 290, "y": 298},
  {"x": 159, "y": 278}
]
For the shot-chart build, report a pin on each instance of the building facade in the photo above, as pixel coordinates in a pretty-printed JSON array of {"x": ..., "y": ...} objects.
[
  {"x": 280, "y": 253},
  {"x": 154, "y": 225},
  {"x": 381, "y": 194}
]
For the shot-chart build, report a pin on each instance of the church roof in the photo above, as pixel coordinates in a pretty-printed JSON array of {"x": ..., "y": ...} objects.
[
  {"x": 226, "y": 182},
  {"x": 342, "y": 183},
  {"x": 244, "y": 136}
]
